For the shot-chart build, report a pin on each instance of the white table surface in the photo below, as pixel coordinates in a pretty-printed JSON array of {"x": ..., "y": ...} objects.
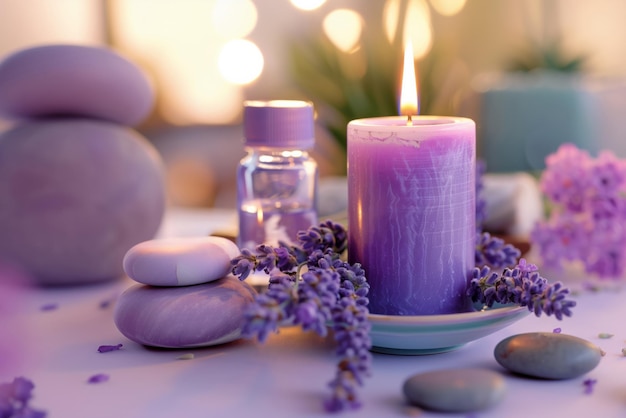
[{"x": 286, "y": 376}]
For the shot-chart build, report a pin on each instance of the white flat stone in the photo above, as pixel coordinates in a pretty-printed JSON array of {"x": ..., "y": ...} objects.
[{"x": 180, "y": 261}]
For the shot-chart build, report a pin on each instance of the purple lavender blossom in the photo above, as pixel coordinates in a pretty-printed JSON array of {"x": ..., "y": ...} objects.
[
  {"x": 494, "y": 252},
  {"x": 565, "y": 181},
  {"x": 328, "y": 235},
  {"x": 523, "y": 286},
  {"x": 15, "y": 398},
  {"x": 608, "y": 174},
  {"x": 312, "y": 287},
  {"x": 588, "y": 211}
]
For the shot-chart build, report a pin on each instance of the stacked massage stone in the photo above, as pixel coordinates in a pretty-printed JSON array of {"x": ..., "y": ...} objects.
[
  {"x": 185, "y": 296},
  {"x": 79, "y": 186}
]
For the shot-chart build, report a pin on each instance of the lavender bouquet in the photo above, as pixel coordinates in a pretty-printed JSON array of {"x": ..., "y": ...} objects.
[
  {"x": 587, "y": 220},
  {"x": 312, "y": 286}
]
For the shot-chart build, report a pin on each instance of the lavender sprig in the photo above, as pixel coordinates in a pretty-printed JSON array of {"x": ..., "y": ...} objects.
[
  {"x": 494, "y": 252},
  {"x": 312, "y": 287},
  {"x": 522, "y": 285}
]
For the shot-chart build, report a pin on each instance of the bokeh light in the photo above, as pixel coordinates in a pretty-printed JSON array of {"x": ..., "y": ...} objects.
[
  {"x": 391, "y": 15},
  {"x": 343, "y": 27},
  {"x": 240, "y": 62},
  {"x": 417, "y": 28},
  {"x": 307, "y": 4},
  {"x": 233, "y": 19},
  {"x": 181, "y": 48},
  {"x": 448, "y": 7}
]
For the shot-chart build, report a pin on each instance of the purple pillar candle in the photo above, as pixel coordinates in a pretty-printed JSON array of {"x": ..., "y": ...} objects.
[{"x": 411, "y": 193}]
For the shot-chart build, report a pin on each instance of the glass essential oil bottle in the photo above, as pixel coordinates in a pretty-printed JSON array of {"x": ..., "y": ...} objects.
[{"x": 277, "y": 180}]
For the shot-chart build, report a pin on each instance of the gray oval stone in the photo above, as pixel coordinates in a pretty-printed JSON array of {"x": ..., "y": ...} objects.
[
  {"x": 457, "y": 390},
  {"x": 180, "y": 317},
  {"x": 547, "y": 355}
]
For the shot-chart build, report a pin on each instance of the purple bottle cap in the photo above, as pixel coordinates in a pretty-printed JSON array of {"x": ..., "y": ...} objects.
[{"x": 279, "y": 124}]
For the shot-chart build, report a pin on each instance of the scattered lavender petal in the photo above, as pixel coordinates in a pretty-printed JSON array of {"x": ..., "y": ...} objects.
[
  {"x": 624, "y": 351},
  {"x": 557, "y": 330},
  {"x": 98, "y": 378},
  {"x": 105, "y": 303},
  {"x": 107, "y": 348},
  {"x": 49, "y": 307},
  {"x": 589, "y": 385},
  {"x": 605, "y": 335}
]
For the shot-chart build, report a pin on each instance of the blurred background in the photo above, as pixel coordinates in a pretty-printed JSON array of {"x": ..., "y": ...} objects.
[{"x": 532, "y": 73}]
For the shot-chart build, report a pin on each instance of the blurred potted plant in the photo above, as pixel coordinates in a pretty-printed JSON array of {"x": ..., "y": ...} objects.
[
  {"x": 544, "y": 98},
  {"x": 364, "y": 82}
]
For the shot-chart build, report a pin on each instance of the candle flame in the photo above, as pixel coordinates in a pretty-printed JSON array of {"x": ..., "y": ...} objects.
[{"x": 408, "y": 95}]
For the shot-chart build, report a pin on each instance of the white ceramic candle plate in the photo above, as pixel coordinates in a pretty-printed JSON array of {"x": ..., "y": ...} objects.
[{"x": 431, "y": 334}]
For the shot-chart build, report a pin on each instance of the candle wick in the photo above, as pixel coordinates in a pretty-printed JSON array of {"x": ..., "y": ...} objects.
[{"x": 409, "y": 120}]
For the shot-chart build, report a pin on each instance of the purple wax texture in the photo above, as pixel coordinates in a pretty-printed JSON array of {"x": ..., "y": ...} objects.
[{"x": 412, "y": 222}]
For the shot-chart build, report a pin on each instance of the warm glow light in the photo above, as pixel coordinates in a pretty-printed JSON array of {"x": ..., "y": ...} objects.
[
  {"x": 28, "y": 23},
  {"x": 307, "y": 4},
  {"x": 391, "y": 14},
  {"x": 180, "y": 47},
  {"x": 234, "y": 18},
  {"x": 240, "y": 62},
  {"x": 408, "y": 96},
  {"x": 343, "y": 27},
  {"x": 417, "y": 27},
  {"x": 200, "y": 96},
  {"x": 448, "y": 7}
]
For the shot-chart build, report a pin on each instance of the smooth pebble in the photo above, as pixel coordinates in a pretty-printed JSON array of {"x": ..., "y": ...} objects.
[
  {"x": 77, "y": 194},
  {"x": 547, "y": 355},
  {"x": 183, "y": 317},
  {"x": 76, "y": 80},
  {"x": 458, "y": 390},
  {"x": 180, "y": 261}
]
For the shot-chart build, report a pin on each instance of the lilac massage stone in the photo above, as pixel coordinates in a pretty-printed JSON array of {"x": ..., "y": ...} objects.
[
  {"x": 73, "y": 80},
  {"x": 180, "y": 261},
  {"x": 183, "y": 317},
  {"x": 77, "y": 194}
]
